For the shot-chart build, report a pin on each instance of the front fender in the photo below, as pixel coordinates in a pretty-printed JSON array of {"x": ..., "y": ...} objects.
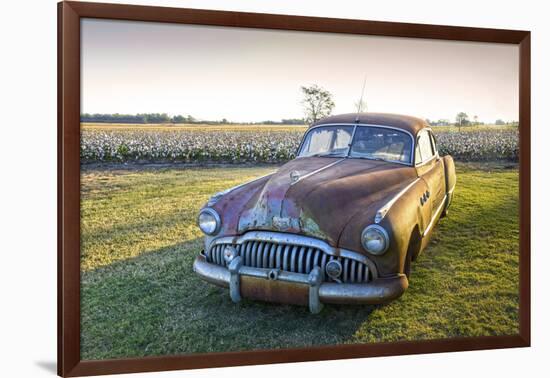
[{"x": 400, "y": 221}]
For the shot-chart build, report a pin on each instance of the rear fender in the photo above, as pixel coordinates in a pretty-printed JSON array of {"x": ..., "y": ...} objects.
[{"x": 450, "y": 181}]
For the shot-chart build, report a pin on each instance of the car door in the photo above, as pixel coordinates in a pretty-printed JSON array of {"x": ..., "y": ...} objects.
[{"x": 430, "y": 168}]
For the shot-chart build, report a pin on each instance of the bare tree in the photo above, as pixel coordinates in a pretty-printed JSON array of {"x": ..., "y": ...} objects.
[{"x": 317, "y": 103}]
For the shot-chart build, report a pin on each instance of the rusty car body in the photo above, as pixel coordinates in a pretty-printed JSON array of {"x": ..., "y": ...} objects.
[{"x": 340, "y": 223}]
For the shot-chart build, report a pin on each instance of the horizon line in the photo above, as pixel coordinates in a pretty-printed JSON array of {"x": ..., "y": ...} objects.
[{"x": 172, "y": 115}]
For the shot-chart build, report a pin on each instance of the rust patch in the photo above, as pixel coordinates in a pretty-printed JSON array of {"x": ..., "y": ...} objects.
[{"x": 274, "y": 291}]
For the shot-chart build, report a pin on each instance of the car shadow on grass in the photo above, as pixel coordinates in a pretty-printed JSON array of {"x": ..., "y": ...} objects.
[{"x": 154, "y": 304}]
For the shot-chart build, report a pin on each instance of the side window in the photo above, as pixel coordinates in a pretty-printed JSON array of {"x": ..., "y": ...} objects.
[
  {"x": 424, "y": 147},
  {"x": 417, "y": 157},
  {"x": 434, "y": 145}
]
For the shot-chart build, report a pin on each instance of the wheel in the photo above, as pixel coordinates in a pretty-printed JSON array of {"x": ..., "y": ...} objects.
[{"x": 413, "y": 251}]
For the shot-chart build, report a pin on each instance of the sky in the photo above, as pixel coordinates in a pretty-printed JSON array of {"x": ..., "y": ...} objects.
[{"x": 249, "y": 75}]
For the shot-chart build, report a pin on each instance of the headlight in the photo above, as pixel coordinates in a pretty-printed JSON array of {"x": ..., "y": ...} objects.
[
  {"x": 375, "y": 239},
  {"x": 209, "y": 221}
]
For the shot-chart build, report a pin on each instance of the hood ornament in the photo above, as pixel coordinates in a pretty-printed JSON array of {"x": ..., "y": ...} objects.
[{"x": 294, "y": 177}]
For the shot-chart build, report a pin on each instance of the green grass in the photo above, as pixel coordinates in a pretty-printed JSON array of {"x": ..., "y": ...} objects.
[{"x": 141, "y": 298}]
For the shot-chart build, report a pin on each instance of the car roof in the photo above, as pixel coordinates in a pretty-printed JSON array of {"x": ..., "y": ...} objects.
[{"x": 411, "y": 124}]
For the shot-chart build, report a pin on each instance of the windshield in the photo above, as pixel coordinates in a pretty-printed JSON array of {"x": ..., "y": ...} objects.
[
  {"x": 327, "y": 141},
  {"x": 369, "y": 142}
]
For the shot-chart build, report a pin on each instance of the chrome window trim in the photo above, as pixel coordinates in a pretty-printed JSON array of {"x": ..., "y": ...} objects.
[
  {"x": 413, "y": 145},
  {"x": 294, "y": 239},
  {"x": 351, "y": 140},
  {"x": 434, "y": 156},
  {"x": 425, "y": 162},
  {"x": 381, "y": 213},
  {"x": 434, "y": 141}
]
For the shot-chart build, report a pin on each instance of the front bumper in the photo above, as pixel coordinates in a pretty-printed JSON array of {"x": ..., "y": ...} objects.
[{"x": 297, "y": 288}]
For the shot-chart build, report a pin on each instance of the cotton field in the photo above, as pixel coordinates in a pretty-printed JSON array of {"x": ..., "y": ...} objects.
[{"x": 260, "y": 145}]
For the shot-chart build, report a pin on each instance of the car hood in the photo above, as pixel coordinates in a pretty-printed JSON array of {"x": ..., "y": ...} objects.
[{"x": 316, "y": 196}]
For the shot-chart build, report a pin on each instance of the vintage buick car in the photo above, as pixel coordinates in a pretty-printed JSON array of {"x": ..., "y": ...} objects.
[{"x": 341, "y": 223}]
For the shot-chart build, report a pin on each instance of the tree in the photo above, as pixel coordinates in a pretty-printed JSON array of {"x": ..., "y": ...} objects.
[
  {"x": 361, "y": 106},
  {"x": 499, "y": 122},
  {"x": 293, "y": 121},
  {"x": 461, "y": 120},
  {"x": 476, "y": 120},
  {"x": 178, "y": 119},
  {"x": 317, "y": 103}
]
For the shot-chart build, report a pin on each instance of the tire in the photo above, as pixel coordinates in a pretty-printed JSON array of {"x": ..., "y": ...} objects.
[
  {"x": 447, "y": 205},
  {"x": 413, "y": 250},
  {"x": 408, "y": 263}
]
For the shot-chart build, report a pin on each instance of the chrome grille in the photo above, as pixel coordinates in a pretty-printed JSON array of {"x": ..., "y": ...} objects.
[{"x": 291, "y": 258}]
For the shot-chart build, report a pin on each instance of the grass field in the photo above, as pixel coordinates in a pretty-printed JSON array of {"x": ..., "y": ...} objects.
[{"x": 141, "y": 298}]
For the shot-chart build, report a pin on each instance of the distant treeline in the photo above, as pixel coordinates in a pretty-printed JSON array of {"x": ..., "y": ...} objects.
[
  {"x": 156, "y": 118},
  {"x": 462, "y": 119}
]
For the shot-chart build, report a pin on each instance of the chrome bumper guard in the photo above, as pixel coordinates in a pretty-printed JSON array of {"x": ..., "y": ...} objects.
[{"x": 378, "y": 291}]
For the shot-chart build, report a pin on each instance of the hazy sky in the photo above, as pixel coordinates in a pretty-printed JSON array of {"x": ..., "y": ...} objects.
[{"x": 254, "y": 75}]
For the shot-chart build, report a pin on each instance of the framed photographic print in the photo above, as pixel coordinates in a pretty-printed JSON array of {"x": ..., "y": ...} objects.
[{"x": 241, "y": 188}]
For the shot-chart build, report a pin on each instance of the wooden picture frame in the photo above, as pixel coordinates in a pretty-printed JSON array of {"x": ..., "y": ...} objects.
[{"x": 69, "y": 16}]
